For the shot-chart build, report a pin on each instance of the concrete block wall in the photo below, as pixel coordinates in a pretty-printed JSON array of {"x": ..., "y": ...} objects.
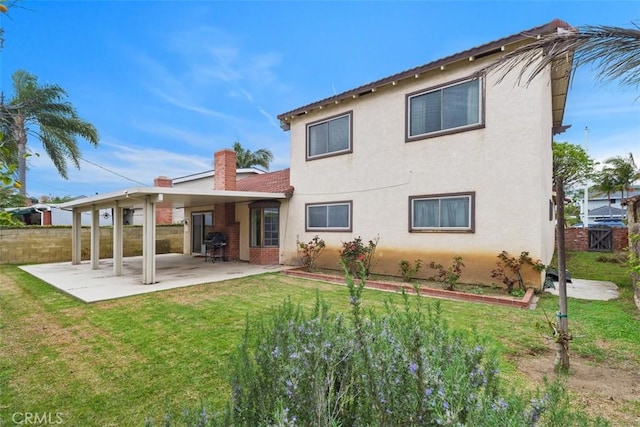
[{"x": 38, "y": 245}]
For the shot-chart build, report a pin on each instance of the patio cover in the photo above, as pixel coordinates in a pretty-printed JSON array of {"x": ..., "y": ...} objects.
[{"x": 145, "y": 198}]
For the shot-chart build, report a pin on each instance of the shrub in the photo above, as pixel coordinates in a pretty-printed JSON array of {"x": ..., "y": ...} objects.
[
  {"x": 509, "y": 269},
  {"x": 403, "y": 367},
  {"x": 309, "y": 252},
  {"x": 357, "y": 258},
  {"x": 408, "y": 270},
  {"x": 449, "y": 276}
]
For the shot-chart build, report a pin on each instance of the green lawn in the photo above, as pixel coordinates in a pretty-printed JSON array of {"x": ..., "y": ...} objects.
[{"x": 118, "y": 362}]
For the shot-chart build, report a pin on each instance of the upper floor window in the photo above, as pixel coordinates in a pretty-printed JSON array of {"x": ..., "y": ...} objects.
[
  {"x": 334, "y": 216},
  {"x": 445, "y": 109},
  {"x": 442, "y": 212},
  {"x": 329, "y": 137}
]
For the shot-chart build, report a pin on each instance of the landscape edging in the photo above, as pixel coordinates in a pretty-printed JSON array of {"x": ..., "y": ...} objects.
[{"x": 524, "y": 302}]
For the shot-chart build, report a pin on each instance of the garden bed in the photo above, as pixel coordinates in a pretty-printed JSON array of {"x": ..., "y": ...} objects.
[{"x": 471, "y": 295}]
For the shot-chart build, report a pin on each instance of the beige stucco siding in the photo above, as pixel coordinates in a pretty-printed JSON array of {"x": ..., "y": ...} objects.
[{"x": 507, "y": 164}]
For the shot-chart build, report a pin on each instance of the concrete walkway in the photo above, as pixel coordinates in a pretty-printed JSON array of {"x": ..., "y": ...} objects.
[
  {"x": 596, "y": 290},
  {"x": 172, "y": 271}
]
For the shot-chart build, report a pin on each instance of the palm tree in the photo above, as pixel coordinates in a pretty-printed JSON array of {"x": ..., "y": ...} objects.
[
  {"x": 607, "y": 183},
  {"x": 43, "y": 112},
  {"x": 246, "y": 158},
  {"x": 625, "y": 172}
]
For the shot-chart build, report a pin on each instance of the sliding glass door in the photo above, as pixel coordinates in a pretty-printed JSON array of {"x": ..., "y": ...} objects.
[{"x": 201, "y": 224}]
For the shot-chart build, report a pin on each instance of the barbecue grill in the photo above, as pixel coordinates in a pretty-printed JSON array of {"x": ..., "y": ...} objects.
[{"x": 216, "y": 243}]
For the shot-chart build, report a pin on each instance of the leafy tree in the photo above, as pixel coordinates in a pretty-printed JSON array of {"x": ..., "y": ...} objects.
[
  {"x": 572, "y": 163},
  {"x": 55, "y": 199},
  {"x": 246, "y": 158},
  {"x": 573, "y": 205},
  {"x": 44, "y": 113},
  {"x": 9, "y": 197},
  {"x": 624, "y": 172}
]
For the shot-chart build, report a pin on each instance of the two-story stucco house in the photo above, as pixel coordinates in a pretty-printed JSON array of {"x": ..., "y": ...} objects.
[{"x": 438, "y": 161}]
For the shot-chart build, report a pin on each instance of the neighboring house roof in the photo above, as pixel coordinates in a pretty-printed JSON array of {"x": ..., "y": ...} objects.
[
  {"x": 270, "y": 182},
  {"x": 23, "y": 210},
  {"x": 559, "y": 95},
  {"x": 598, "y": 195},
  {"x": 606, "y": 211},
  {"x": 211, "y": 173}
]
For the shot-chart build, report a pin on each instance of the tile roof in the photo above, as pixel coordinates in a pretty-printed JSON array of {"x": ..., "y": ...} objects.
[{"x": 270, "y": 182}]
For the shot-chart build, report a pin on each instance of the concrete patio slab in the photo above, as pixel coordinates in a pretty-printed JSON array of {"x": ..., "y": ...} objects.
[
  {"x": 595, "y": 290},
  {"x": 172, "y": 271}
]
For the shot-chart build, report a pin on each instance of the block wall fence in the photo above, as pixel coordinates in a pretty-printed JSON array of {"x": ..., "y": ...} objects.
[{"x": 38, "y": 245}]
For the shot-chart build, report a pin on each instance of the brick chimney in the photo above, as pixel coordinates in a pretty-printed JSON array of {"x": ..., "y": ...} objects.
[
  {"x": 224, "y": 170},
  {"x": 225, "y": 213},
  {"x": 164, "y": 212}
]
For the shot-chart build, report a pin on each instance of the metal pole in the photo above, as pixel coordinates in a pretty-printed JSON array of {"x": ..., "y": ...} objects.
[{"x": 585, "y": 219}]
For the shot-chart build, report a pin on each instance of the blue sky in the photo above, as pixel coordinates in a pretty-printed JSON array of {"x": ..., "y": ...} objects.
[{"x": 168, "y": 83}]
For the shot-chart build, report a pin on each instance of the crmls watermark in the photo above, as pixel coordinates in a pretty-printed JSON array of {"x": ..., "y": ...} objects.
[{"x": 37, "y": 418}]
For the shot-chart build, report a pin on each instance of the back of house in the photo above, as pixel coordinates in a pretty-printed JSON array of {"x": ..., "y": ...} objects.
[{"x": 439, "y": 161}]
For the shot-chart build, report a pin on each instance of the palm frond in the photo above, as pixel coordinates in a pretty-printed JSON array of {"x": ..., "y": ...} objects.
[
  {"x": 54, "y": 120},
  {"x": 614, "y": 52}
]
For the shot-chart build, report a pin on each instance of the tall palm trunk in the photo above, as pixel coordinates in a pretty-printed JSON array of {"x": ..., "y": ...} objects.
[{"x": 20, "y": 136}]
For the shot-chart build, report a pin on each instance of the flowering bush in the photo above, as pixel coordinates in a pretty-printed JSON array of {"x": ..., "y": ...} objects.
[
  {"x": 448, "y": 276},
  {"x": 408, "y": 270},
  {"x": 508, "y": 269},
  {"x": 309, "y": 252},
  {"x": 357, "y": 258}
]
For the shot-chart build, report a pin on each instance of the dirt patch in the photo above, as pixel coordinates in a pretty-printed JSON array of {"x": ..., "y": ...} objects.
[{"x": 608, "y": 391}]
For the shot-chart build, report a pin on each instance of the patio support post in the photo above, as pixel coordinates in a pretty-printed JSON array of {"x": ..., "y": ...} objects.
[
  {"x": 118, "y": 235},
  {"x": 76, "y": 237},
  {"x": 149, "y": 240},
  {"x": 95, "y": 238}
]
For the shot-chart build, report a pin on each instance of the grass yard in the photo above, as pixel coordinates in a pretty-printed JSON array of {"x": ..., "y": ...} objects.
[{"x": 120, "y": 362}]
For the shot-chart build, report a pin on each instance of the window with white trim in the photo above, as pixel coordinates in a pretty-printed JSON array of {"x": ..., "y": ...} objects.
[
  {"x": 442, "y": 212},
  {"x": 334, "y": 216},
  {"x": 448, "y": 108},
  {"x": 329, "y": 137}
]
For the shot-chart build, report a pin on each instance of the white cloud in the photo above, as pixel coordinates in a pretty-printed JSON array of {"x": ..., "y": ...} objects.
[
  {"x": 186, "y": 106},
  {"x": 121, "y": 165},
  {"x": 181, "y": 135}
]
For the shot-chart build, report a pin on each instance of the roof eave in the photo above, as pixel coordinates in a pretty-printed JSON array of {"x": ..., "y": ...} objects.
[{"x": 467, "y": 55}]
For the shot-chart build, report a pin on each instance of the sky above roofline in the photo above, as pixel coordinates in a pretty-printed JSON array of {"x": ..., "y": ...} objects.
[{"x": 169, "y": 83}]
